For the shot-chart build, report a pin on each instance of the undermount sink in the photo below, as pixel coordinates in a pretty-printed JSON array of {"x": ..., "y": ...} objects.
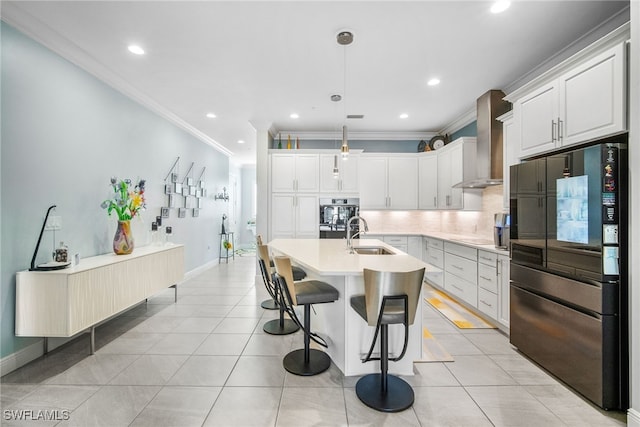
[{"x": 372, "y": 250}]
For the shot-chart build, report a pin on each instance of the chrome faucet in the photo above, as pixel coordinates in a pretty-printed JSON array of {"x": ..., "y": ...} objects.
[{"x": 349, "y": 236}]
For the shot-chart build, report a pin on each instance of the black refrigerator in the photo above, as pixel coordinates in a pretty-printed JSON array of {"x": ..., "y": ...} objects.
[{"x": 568, "y": 277}]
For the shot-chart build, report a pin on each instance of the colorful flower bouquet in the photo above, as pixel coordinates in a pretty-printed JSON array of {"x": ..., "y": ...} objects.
[{"x": 126, "y": 202}]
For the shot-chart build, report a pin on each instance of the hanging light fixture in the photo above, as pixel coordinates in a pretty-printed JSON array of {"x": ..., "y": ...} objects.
[
  {"x": 345, "y": 38},
  {"x": 336, "y": 171}
]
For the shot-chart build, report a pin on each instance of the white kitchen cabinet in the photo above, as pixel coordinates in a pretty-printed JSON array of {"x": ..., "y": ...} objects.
[
  {"x": 510, "y": 153},
  {"x": 503, "y": 289},
  {"x": 398, "y": 242},
  {"x": 593, "y": 98},
  {"x": 389, "y": 182},
  {"x": 584, "y": 102},
  {"x": 428, "y": 181},
  {"x": 460, "y": 272},
  {"x": 435, "y": 257},
  {"x": 291, "y": 172},
  {"x": 294, "y": 216},
  {"x": 347, "y": 179},
  {"x": 414, "y": 246},
  {"x": 457, "y": 163}
]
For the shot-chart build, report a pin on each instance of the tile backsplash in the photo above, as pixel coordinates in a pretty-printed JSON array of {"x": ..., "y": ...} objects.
[{"x": 477, "y": 223}]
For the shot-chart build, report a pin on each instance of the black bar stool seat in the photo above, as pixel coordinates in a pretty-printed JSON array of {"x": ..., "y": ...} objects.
[
  {"x": 305, "y": 361},
  {"x": 390, "y": 298}
]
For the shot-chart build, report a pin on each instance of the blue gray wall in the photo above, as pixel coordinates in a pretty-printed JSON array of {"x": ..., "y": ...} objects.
[
  {"x": 64, "y": 134},
  {"x": 469, "y": 130}
]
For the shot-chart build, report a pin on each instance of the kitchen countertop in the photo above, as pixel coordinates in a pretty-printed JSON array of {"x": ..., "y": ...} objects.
[
  {"x": 472, "y": 241},
  {"x": 330, "y": 257}
]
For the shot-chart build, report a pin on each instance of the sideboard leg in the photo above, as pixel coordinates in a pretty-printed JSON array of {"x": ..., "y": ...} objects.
[
  {"x": 45, "y": 345},
  {"x": 175, "y": 292},
  {"x": 92, "y": 333}
]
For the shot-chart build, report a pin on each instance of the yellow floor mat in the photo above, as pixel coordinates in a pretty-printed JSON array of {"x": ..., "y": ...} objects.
[{"x": 456, "y": 313}]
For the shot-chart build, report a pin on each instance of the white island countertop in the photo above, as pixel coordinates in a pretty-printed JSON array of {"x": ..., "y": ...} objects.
[{"x": 330, "y": 257}]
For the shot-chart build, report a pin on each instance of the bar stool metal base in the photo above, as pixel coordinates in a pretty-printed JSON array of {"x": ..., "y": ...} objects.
[
  {"x": 276, "y": 327},
  {"x": 269, "y": 304},
  {"x": 398, "y": 397},
  {"x": 294, "y": 362}
]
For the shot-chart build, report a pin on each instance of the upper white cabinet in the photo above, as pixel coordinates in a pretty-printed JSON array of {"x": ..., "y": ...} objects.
[
  {"x": 294, "y": 173},
  {"x": 389, "y": 182},
  {"x": 584, "y": 100},
  {"x": 456, "y": 163},
  {"x": 347, "y": 179},
  {"x": 428, "y": 181},
  {"x": 510, "y": 153}
]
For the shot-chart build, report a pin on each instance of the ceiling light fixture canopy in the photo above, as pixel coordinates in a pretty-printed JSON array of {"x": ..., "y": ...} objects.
[
  {"x": 344, "y": 38},
  {"x": 500, "y": 6},
  {"x": 135, "y": 49}
]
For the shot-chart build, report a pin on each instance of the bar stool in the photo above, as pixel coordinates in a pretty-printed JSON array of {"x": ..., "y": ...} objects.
[
  {"x": 305, "y": 361},
  {"x": 390, "y": 298},
  {"x": 298, "y": 274},
  {"x": 280, "y": 326}
]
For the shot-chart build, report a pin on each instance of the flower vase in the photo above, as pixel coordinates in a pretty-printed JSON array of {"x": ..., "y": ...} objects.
[{"x": 123, "y": 240}]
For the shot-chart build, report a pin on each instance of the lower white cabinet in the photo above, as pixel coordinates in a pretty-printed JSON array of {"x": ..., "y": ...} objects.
[
  {"x": 460, "y": 272},
  {"x": 434, "y": 255},
  {"x": 294, "y": 216},
  {"x": 493, "y": 285}
]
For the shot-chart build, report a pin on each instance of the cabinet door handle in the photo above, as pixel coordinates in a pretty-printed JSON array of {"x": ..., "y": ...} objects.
[
  {"x": 456, "y": 267},
  {"x": 447, "y": 202},
  {"x": 460, "y": 289},
  {"x": 553, "y": 130},
  {"x": 435, "y": 202},
  {"x": 485, "y": 278},
  {"x": 559, "y": 129},
  {"x": 486, "y": 303}
]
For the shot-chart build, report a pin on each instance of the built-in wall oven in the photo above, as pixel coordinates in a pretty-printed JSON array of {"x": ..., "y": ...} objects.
[{"x": 334, "y": 215}]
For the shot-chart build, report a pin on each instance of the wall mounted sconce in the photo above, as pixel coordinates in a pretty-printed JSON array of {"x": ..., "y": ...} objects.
[{"x": 222, "y": 196}]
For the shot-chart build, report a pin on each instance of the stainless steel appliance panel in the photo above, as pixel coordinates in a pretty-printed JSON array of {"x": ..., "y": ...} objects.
[
  {"x": 334, "y": 214},
  {"x": 571, "y": 345}
]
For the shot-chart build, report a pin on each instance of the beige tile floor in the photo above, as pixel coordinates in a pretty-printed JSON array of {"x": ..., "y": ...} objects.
[{"x": 205, "y": 361}]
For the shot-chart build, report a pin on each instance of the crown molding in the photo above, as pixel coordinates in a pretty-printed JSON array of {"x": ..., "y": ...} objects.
[
  {"x": 13, "y": 15},
  {"x": 462, "y": 121},
  {"x": 370, "y": 136}
]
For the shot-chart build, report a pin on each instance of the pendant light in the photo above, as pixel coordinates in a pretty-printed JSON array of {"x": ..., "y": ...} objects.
[
  {"x": 345, "y": 38},
  {"x": 336, "y": 171}
]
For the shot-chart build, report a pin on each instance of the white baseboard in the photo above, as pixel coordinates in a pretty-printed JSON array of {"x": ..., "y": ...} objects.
[
  {"x": 633, "y": 418},
  {"x": 21, "y": 357},
  {"x": 198, "y": 270}
]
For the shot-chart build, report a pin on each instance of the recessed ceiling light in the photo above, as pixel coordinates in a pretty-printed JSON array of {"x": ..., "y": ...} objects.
[
  {"x": 404, "y": 115},
  {"x": 240, "y": 141},
  {"x": 500, "y": 6},
  {"x": 294, "y": 115},
  {"x": 211, "y": 115},
  {"x": 135, "y": 49},
  {"x": 433, "y": 82}
]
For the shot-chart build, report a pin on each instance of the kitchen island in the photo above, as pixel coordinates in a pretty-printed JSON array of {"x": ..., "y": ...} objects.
[{"x": 348, "y": 336}]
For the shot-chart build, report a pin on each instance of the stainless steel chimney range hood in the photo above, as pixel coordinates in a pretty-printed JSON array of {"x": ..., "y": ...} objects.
[{"x": 489, "y": 140}]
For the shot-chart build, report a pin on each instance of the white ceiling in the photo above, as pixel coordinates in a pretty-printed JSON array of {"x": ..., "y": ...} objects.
[{"x": 255, "y": 63}]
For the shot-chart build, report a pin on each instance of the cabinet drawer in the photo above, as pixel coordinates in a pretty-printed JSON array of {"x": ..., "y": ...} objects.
[
  {"x": 403, "y": 248},
  {"x": 488, "y": 278},
  {"x": 488, "y": 258},
  {"x": 435, "y": 278},
  {"x": 435, "y": 257},
  {"x": 461, "y": 267},
  {"x": 466, "y": 291},
  {"x": 396, "y": 240},
  {"x": 435, "y": 243},
  {"x": 488, "y": 303},
  {"x": 461, "y": 250}
]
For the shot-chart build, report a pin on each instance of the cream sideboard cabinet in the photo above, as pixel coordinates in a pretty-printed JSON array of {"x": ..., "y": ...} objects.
[{"x": 66, "y": 302}]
